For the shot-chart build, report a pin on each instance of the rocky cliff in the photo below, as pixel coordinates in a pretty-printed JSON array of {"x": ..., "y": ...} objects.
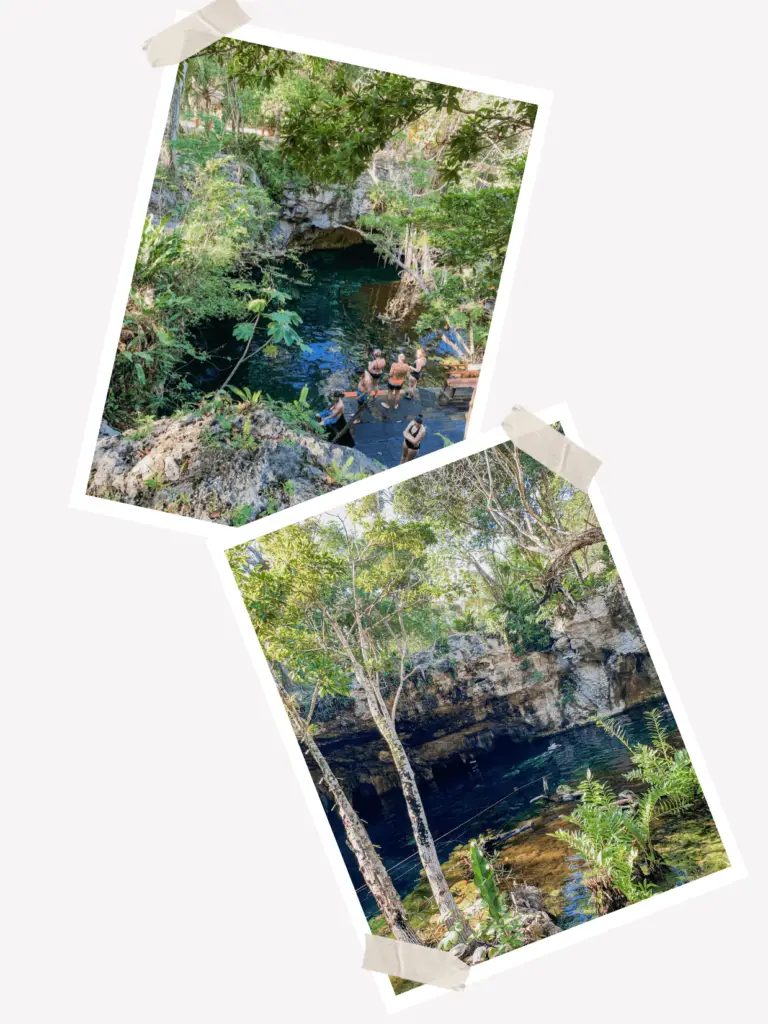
[
  {"x": 193, "y": 466},
  {"x": 321, "y": 218},
  {"x": 467, "y": 697}
]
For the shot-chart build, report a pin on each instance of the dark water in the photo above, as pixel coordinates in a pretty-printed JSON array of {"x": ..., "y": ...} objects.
[
  {"x": 511, "y": 774},
  {"x": 339, "y": 306}
]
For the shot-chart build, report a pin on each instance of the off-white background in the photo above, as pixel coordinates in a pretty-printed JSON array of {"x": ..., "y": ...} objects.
[{"x": 156, "y": 863}]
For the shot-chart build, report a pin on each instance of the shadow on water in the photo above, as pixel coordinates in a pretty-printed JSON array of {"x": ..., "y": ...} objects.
[
  {"x": 493, "y": 791},
  {"x": 339, "y": 307}
]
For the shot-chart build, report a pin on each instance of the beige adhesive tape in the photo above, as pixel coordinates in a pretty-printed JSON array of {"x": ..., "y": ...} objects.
[
  {"x": 414, "y": 963},
  {"x": 555, "y": 451},
  {"x": 192, "y": 34}
]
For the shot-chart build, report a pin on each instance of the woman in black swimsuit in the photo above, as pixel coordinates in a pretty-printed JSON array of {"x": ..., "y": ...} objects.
[
  {"x": 416, "y": 372},
  {"x": 413, "y": 435}
]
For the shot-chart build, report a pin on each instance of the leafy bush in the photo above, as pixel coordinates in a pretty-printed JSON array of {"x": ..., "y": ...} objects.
[
  {"x": 616, "y": 842},
  {"x": 523, "y": 629},
  {"x": 605, "y": 838},
  {"x": 297, "y": 414}
]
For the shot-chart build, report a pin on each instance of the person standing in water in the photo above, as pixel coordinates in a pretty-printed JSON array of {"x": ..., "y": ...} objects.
[
  {"x": 376, "y": 369},
  {"x": 413, "y": 380},
  {"x": 413, "y": 435},
  {"x": 398, "y": 374}
]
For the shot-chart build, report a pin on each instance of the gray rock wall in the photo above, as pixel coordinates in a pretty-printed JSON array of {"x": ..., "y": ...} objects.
[
  {"x": 478, "y": 691},
  {"x": 320, "y": 218}
]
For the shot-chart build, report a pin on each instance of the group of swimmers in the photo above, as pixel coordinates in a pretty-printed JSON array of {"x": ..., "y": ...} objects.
[
  {"x": 369, "y": 382},
  {"x": 399, "y": 371}
]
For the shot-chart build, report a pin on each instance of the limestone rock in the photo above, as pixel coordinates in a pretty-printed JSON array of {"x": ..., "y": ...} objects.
[
  {"x": 197, "y": 473},
  {"x": 323, "y": 218},
  {"x": 474, "y": 690},
  {"x": 480, "y": 954}
]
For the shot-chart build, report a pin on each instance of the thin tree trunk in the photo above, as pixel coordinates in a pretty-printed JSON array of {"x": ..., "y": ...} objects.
[
  {"x": 371, "y": 866},
  {"x": 425, "y": 844},
  {"x": 174, "y": 115}
]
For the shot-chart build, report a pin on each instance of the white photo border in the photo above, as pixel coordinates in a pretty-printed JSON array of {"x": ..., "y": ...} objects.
[
  {"x": 325, "y": 503},
  {"x": 251, "y": 33}
]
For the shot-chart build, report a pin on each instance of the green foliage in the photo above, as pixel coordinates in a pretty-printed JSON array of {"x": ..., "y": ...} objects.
[
  {"x": 567, "y": 687},
  {"x": 246, "y": 396},
  {"x": 525, "y": 632},
  {"x": 297, "y": 414},
  {"x": 142, "y": 429},
  {"x": 466, "y": 624},
  {"x": 667, "y": 772},
  {"x": 617, "y": 842},
  {"x": 502, "y": 930},
  {"x": 340, "y": 475},
  {"x": 241, "y": 515},
  {"x": 309, "y": 578},
  {"x": 155, "y": 482},
  {"x": 182, "y": 277},
  {"x": 281, "y": 329},
  {"x": 605, "y": 840}
]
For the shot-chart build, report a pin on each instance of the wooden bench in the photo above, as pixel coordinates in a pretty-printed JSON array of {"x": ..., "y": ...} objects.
[{"x": 455, "y": 381}]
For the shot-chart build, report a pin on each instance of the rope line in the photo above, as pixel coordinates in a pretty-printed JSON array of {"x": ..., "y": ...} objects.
[{"x": 450, "y": 831}]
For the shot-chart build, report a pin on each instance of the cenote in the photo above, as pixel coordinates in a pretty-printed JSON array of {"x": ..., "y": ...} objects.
[
  {"x": 493, "y": 791},
  {"x": 339, "y": 300}
]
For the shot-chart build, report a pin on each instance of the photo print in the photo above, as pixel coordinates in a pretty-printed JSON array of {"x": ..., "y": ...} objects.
[
  {"x": 319, "y": 283},
  {"x": 492, "y": 751}
]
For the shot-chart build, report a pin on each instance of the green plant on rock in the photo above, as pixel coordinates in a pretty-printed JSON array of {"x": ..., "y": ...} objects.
[
  {"x": 667, "y": 772},
  {"x": 155, "y": 482},
  {"x": 525, "y": 632},
  {"x": 502, "y": 930},
  {"x": 244, "y": 440},
  {"x": 466, "y": 623},
  {"x": 297, "y": 414},
  {"x": 142, "y": 429},
  {"x": 608, "y": 841},
  {"x": 241, "y": 515},
  {"x": 341, "y": 475},
  {"x": 246, "y": 396},
  {"x": 567, "y": 687}
]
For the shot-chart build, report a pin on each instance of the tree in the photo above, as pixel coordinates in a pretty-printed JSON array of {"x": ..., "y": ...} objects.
[
  {"x": 336, "y": 116},
  {"x": 508, "y": 520},
  {"x": 371, "y": 866},
  {"x": 340, "y": 600},
  {"x": 172, "y": 125}
]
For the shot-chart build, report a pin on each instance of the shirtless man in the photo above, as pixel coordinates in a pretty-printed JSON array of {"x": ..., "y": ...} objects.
[
  {"x": 333, "y": 418},
  {"x": 413, "y": 435},
  {"x": 364, "y": 387},
  {"x": 398, "y": 374},
  {"x": 413, "y": 380},
  {"x": 376, "y": 368}
]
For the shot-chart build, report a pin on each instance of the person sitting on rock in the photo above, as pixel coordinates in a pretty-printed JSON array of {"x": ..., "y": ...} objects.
[
  {"x": 333, "y": 418},
  {"x": 413, "y": 380},
  {"x": 376, "y": 369},
  {"x": 398, "y": 373},
  {"x": 413, "y": 435}
]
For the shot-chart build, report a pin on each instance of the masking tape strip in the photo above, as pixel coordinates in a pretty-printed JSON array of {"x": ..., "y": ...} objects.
[
  {"x": 553, "y": 449},
  {"x": 192, "y": 34},
  {"x": 414, "y": 963}
]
